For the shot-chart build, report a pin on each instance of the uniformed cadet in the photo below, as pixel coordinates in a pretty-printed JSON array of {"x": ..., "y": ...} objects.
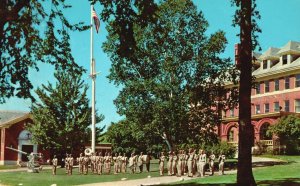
[
  {"x": 131, "y": 163},
  {"x": 202, "y": 162},
  {"x": 93, "y": 162},
  {"x": 109, "y": 161},
  {"x": 179, "y": 163},
  {"x": 221, "y": 164},
  {"x": 100, "y": 163},
  {"x": 212, "y": 158},
  {"x": 124, "y": 163},
  {"x": 119, "y": 162},
  {"x": 140, "y": 162},
  {"x": 115, "y": 161},
  {"x": 174, "y": 164},
  {"x": 85, "y": 164},
  {"x": 147, "y": 161},
  {"x": 185, "y": 160},
  {"x": 190, "y": 162},
  {"x": 54, "y": 164},
  {"x": 71, "y": 163},
  {"x": 161, "y": 163},
  {"x": 169, "y": 165},
  {"x": 195, "y": 163},
  {"x": 67, "y": 163},
  {"x": 80, "y": 163}
]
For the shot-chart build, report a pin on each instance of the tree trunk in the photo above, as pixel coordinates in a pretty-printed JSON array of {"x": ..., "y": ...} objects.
[{"x": 246, "y": 133}]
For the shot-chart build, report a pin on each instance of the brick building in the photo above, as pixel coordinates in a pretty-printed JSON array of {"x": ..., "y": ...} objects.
[{"x": 277, "y": 93}]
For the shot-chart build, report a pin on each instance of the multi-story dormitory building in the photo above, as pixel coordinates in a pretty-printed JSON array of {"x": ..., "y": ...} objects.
[{"x": 277, "y": 93}]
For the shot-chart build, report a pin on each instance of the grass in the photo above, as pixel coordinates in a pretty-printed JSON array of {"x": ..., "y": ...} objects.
[
  {"x": 287, "y": 174},
  {"x": 45, "y": 177},
  {"x": 4, "y": 167}
]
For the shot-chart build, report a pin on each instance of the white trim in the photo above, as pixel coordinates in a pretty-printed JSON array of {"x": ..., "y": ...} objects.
[{"x": 279, "y": 92}]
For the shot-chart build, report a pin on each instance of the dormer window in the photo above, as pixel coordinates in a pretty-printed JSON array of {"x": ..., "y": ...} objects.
[
  {"x": 265, "y": 64},
  {"x": 284, "y": 59}
]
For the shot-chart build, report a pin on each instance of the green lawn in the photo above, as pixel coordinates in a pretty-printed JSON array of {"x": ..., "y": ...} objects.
[{"x": 287, "y": 174}]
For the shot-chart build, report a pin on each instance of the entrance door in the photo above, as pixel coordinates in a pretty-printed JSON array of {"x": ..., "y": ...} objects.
[{"x": 28, "y": 149}]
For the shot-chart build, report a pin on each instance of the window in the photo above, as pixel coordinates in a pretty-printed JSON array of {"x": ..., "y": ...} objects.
[
  {"x": 286, "y": 105},
  {"x": 231, "y": 112},
  {"x": 287, "y": 82},
  {"x": 265, "y": 64},
  {"x": 231, "y": 135},
  {"x": 263, "y": 132},
  {"x": 297, "y": 105},
  {"x": 267, "y": 86},
  {"x": 257, "y": 109},
  {"x": 258, "y": 88},
  {"x": 276, "y": 82},
  {"x": 267, "y": 107},
  {"x": 284, "y": 59},
  {"x": 297, "y": 80},
  {"x": 276, "y": 106}
]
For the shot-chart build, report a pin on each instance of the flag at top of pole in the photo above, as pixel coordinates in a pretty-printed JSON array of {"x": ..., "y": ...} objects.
[{"x": 96, "y": 20}]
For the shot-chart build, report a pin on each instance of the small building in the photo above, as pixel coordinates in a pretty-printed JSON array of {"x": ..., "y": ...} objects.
[{"x": 13, "y": 134}]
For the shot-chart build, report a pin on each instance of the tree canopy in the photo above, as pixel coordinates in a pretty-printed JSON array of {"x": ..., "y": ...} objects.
[
  {"x": 23, "y": 44},
  {"x": 62, "y": 116},
  {"x": 172, "y": 83}
]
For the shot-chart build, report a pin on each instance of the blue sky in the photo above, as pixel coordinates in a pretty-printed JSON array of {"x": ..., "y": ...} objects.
[{"x": 280, "y": 24}]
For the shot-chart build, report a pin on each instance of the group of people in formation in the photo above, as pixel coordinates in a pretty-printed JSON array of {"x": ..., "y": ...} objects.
[
  {"x": 99, "y": 164},
  {"x": 191, "y": 163}
]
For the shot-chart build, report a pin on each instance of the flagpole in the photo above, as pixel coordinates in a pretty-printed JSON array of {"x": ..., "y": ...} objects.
[{"x": 93, "y": 76}]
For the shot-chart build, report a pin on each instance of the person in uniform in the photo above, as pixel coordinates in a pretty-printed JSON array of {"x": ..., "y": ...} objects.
[
  {"x": 71, "y": 163},
  {"x": 54, "y": 165},
  {"x": 109, "y": 160},
  {"x": 185, "y": 160},
  {"x": 212, "y": 158},
  {"x": 119, "y": 162},
  {"x": 190, "y": 162},
  {"x": 85, "y": 165},
  {"x": 174, "y": 163},
  {"x": 161, "y": 162},
  {"x": 195, "y": 163},
  {"x": 131, "y": 163},
  {"x": 115, "y": 160},
  {"x": 147, "y": 161},
  {"x": 67, "y": 163},
  {"x": 169, "y": 165},
  {"x": 93, "y": 160},
  {"x": 179, "y": 163},
  {"x": 140, "y": 162},
  {"x": 221, "y": 164},
  {"x": 202, "y": 162},
  {"x": 80, "y": 163},
  {"x": 100, "y": 163},
  {"x": 124, "y": 163}
]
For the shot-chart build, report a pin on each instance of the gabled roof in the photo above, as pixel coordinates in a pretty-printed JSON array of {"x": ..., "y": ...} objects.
[
  {"x": 8, "y": 118},
  {"x": 271, "y": 53},
  {"x": 290, "y": 47}
]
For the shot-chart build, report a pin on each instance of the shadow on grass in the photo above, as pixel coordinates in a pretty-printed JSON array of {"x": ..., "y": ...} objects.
[{"x": 281, "y": 182}]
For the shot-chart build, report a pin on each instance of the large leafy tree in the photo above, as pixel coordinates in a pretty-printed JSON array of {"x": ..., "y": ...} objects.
[
  {"x": 173, "y": 80},
  {"x": 62, "y": 116},
  {"x": 287, "y": 129},
  {"x": 24, "y": 43},
  {"x": 245, "y": 18}
]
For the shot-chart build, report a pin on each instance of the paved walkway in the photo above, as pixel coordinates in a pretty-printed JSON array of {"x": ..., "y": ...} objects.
[{"x": 169, "y": 179}]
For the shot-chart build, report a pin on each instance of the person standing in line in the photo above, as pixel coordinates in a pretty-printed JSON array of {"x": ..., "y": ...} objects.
[
  {"x": 100, "y": 163},
  {"x": 54, "y": 165},
  {"x": 221, "y": 163},
  {"x": 140, "y": 162},
  {"x": 195, "y": 163},
  {"x": 80, "y": 163},
  {"x": 131, "y": 163},
  {"x": 190, "y": 162},
  {"x": 202, "y": 162},
  {"x": 67, "y": 163},
  {"x": 185, "y": 160},
  {"x": 124, "y": 163},
  {"x": 85, "y": 164},
  {"x": 174, "y": 163},
  {"x": 212, "y": 158},
  {"x": 161, "y": 162},
  {"x": 170, "y": 161},
  {"x": 115, "y": 160},
  {"x": 119, "y": 162},
  {"x": 147, "y": 161},
  {"x": 179, "y": 163},
  {"x": 71, "y": 163}
]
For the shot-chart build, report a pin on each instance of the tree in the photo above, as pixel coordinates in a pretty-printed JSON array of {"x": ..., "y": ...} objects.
[
  {"x": 62, "y": 116},
  {"x": 173, "y": 77},
  {"x": 287, "y": 129},
  {"x": 245, "y": 19},
  {"x": 23, "y": 44}
]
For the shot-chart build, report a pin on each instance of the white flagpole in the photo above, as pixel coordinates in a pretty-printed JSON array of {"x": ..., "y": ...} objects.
[{"x": 93, "y": 76}]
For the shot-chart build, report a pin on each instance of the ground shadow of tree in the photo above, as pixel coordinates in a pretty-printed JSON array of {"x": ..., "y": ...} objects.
[{"x": 281, "y": 182}]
